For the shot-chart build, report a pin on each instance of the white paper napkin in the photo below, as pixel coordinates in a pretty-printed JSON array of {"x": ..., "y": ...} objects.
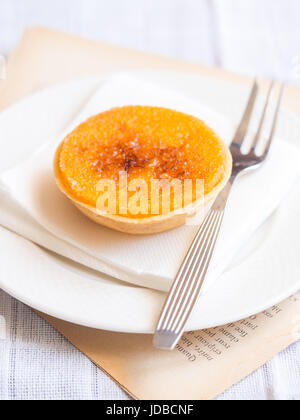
[{"x": 150, "y": 261}]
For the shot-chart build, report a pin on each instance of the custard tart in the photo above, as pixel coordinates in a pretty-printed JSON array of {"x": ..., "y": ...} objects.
[{"x": 142, "y": 169}]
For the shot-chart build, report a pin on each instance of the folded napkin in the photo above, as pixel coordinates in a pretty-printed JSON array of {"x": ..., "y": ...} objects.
[{"x": 29, "y": 193}]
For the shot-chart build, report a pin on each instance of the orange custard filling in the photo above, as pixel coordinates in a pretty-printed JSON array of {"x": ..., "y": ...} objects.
[{"x": 145, "y": 142}]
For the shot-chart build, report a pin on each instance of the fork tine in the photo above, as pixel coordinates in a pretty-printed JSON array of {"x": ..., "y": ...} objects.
[
  {"x": 268, "y": 145},
  {"x": 242, "y": 129},
  {"x": 258, "y": 134}
]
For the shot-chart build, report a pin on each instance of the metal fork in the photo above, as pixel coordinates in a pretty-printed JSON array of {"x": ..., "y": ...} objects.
[{"x": 186, "y": 288}]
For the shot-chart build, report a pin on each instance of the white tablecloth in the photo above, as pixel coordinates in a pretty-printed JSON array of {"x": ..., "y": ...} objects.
[{"x": 250, "y": 36}]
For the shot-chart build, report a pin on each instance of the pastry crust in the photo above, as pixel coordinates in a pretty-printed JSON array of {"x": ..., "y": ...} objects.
[{"x": 141, "y": 225}]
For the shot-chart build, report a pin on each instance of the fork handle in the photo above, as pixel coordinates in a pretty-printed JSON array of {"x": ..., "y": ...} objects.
[{"x": 186, "y": 288}]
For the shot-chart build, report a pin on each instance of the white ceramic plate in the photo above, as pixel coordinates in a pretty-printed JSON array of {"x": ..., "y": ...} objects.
[{"x": 76, "y": 294}]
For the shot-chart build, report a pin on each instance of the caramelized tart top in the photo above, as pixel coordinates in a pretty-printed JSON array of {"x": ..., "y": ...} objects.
[{"x": 146, "y": 142}]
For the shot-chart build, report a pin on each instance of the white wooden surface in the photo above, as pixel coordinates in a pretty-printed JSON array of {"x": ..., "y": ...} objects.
[
  {"x": 258, "y": 37},
  {"x": 252, "y": 36}
]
